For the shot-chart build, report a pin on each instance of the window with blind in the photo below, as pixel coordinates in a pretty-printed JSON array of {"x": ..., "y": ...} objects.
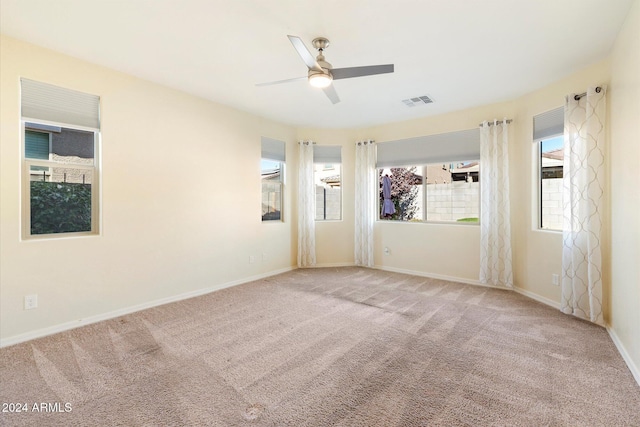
[
  {"x": 60, "y": 168},
  {"x": 328, "y": 182},
  {"x": 433, "y": 178},
  {"x": 548, "y": 138},
  {"x": 272, "y": 177}
]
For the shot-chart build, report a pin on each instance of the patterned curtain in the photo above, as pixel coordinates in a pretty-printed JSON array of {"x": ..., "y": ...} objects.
[
  {"x": 583, "y": 190},
  {"x": 495, "y": 225},
  {"x": 365, "y": 209},
  {"x": 306, "y": 207}
]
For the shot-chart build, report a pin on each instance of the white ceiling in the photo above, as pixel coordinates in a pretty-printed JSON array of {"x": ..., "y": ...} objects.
[{"x": 462, "y": 53}]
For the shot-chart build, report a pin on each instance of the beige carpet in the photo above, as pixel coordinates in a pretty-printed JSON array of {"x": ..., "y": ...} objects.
[{"x": 321, "y": 347}]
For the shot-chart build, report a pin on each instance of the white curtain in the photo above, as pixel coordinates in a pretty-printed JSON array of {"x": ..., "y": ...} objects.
[
  {"x": 495, "y": 225},
  {"x": 365, "y": 209},
  {"x": 583, "y": 193},
  {"x": 306, "y": 207}
]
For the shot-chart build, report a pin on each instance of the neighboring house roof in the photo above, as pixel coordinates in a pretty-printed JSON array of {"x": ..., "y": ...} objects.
[
  {"x": 416, "y": 179},
  {"x": 271, "y": 175},
  {"x": 469, "y": 167},
  {"x": 554, "y": 154},
  {"x": 553, "y": 158},
  {"x": 333, "y": 180}
]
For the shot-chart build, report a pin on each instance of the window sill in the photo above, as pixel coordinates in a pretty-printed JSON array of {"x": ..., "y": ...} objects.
[
  {"x": 548, "y": 230},
  {"x": 58, "y": 236},
  {"x": 475, "y": 224}
]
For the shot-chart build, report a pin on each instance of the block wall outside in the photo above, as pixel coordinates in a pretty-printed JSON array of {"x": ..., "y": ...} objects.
[
  {"x": 450, "y": 202},
  {"x": 552, "y": 203},
  {"x": 333, "y": 203}
]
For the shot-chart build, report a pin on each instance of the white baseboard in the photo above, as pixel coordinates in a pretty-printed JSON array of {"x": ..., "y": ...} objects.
[
  {"x": 635, "y": 371},
  {"x": 538, "y": 298},
  {"x": 335, "y": 264},
  {"x": 39, "y": 333},
  {"x": 435, "y": 276}
]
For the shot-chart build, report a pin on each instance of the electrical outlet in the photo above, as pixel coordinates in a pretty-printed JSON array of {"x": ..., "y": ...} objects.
[
  {"x": 30, "y": 302},
  {"x": 554, "y": 280},
  {"x": 252, "y": 259}
]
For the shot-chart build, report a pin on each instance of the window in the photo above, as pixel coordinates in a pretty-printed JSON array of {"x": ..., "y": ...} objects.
[
  {"x": 442, "y": 192},
  {"x": 549, "y": 148},
  {"x": 271, "y": 174},
  {"x": 440, "y": 184},
  {"x": 60, "y": 175},
  {"x": 328, "y": 182},
  {"x": 272, "y": 178}
]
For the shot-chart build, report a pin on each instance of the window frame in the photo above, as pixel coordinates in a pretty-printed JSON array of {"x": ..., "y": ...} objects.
[
  {"x": 25, "y": 174},
  {"x": 548, "y": 124},
  {"x": 280, "y": 183},
  {"x": 275, "y": 151}
]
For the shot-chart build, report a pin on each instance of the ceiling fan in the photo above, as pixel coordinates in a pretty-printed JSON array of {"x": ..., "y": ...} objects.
[{"x": 321, "y": 73}]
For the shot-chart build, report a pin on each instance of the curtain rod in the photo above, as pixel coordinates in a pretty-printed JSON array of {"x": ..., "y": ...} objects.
[
  {"x": 307, "y": 142},
  {"x": 369, "y": 141},
  {"x": 583, "y": 94},
  {"x": 499, "y": 122}
]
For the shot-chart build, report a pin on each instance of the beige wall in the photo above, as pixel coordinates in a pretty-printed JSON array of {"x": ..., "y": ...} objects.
[
  {"x": 625, "y": 188},
  {"x": 164, "y": 233}
]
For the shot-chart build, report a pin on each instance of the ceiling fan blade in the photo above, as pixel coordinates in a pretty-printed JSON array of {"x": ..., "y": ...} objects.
[
  {"x": 369, "y": 70},
  {"x": 331, "y": 93},
  {"x": 304, "y": 53},
  {"x": 277, "y": 82}
]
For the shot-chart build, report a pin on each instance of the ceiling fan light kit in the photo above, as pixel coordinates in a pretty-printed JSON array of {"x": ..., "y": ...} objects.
[
  {"x": 321, "y": 73},
  {"x": 320, "y": 79}
]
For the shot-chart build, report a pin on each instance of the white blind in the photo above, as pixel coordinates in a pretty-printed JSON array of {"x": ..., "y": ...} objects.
[
  {"x": 444, "y": 147},
  {"x": 43, "y": 101},
  {"x": 273, "y": 149},
  {"x": 548, "y": 124},
  {"x": 327, "y": 154}
]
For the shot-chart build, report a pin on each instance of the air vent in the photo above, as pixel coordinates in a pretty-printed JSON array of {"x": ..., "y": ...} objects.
[{"x": 420, "y": 100}]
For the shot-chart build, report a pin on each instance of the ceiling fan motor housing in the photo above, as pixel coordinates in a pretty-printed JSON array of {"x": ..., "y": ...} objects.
[{"x": 321, "y": 43}]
